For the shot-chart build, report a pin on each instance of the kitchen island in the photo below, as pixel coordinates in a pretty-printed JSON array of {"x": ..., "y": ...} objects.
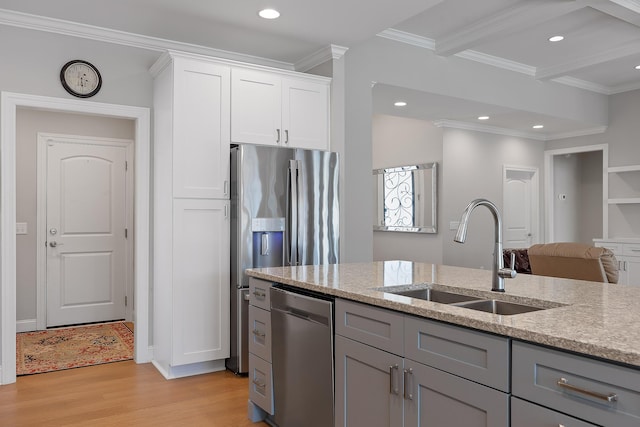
[{"x": 600, "y": 322}]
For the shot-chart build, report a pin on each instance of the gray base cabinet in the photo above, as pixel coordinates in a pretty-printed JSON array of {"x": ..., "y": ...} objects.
[
  {"x": 368, "y": 386},
  {"x": 377, "y": 386},
  {"x": 526, "y": 414},
  {"x": 439, "y": 399}
]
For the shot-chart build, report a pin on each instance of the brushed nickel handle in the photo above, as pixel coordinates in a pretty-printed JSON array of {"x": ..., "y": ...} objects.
[
  {"x": 286, "y": 136},
  {"x": 564, "y": 383},
  {"x": 278, "y": 138},
  {"x": 259, "y": 383},
  {"x": 259, "y": 295},
  {"x": 55, "y": 244},
  {"x": 393, "y": 379},
  {"x": 408, "y": 385},
  {"x": 258, "y": 333}
]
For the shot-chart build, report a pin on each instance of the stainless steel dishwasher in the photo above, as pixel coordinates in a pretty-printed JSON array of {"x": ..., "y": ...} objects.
[{"x": 302, "y": 355}]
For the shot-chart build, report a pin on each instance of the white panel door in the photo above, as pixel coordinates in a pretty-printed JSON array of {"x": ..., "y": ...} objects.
[
  {"x": 256, "y": 109},
  {"x": 520, "y": 208},
  {"x": 201, "y": 130},
  {"x": 200, "y": 280},
  {"x": 305, "y": 114},
  {"x": 86, "y": 220}
]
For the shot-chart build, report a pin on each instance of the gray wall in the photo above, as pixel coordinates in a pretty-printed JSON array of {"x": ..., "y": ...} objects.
[
  {"x": 399, "y": 141},
  {"x": 624, "y": 150},
  {"x": 473, "y": 168},
  {"x": 28, "y": 123},
  {"x": 566, "y": 211},
  {"x": 385, "y": 61}
]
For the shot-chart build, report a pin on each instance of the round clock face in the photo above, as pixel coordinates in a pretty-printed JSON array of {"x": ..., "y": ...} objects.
[{"x": 80, "y": 78}]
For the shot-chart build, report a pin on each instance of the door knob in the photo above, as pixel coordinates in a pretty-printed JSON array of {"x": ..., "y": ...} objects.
[
  {"x": 53, "y": 231},
  {"x": 55, "y": 244}
]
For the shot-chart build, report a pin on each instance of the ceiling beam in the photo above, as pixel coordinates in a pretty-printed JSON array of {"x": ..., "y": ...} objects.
[
  {"x": 621, "y": 51},
  {"x": 521, "y": 15}
]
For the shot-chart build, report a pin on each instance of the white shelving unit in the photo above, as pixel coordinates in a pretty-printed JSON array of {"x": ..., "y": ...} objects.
[{"x": 624, "y": 200}]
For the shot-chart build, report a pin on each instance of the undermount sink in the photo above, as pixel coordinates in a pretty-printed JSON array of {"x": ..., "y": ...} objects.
[
  {"x": 436, "y": 296},
  {"x": 498, "y": 307},
  {"x": 465, "y": 301}
]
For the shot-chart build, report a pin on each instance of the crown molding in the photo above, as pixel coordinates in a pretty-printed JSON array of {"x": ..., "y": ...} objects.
[
  {"x": 497, "y": 62},
  {"x": 633, "y": 5},
  {"x": 583, "y": 132},
  {"x": 408, "y": 38},
  {"x": 488, "y": 129},
  {"x": 624, "y": 88},
  {"x": 331, "y": 52},
  {"x": 583, "y": 84},
  {"x": 107, "y": 35}
]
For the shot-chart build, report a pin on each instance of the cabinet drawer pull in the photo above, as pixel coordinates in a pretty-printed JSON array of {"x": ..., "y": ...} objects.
[
  {"x": 564, "y": 383},
  {"x": 259, "y": 384},
  {"x": 259, "y": 333},
  {"x": 393, "y": 379},
  {"x": 278, "y": 138},
  {"x": 408, "y": 385},
  {"x": 259, "y": 295},
  {"x": 286, "y": 137}
]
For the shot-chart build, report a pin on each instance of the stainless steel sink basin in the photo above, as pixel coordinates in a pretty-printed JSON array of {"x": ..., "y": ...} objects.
[
  {"x": 435, "y": 296},
  {"x": 498, "y": 307}
]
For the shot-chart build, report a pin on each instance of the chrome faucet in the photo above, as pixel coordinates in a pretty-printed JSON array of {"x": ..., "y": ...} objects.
[{"x": 499, "y": 272}]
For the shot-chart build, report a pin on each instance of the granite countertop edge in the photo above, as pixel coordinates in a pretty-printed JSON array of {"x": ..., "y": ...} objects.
[{"x": 575, "y": 298}]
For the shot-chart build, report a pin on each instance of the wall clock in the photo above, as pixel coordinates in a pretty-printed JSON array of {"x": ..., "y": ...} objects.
[{"x": 80, "y": 78}]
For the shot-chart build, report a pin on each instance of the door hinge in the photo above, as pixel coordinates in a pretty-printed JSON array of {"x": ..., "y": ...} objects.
[
  {"x": 126, "y": 233},
  {"x": 125, "y": 300}
]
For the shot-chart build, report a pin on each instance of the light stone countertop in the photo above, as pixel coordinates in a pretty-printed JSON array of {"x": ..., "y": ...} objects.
[{"x": 601, "y": 320}]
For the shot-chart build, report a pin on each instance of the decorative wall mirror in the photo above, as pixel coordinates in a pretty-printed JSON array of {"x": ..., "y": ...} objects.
[{"x": 406, "y": 198}]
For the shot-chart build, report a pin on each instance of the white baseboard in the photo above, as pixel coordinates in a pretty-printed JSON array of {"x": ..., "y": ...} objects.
[
  {"x": 172, "y": 372},
  {"x": 26, "y": 325}
]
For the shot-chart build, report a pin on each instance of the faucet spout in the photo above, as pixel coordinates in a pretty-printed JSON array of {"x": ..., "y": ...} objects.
[{"x": 499, "y": 272}]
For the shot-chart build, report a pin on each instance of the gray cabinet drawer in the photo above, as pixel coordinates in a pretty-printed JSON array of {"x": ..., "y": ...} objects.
[
  {"x": 377, "y": 327},
  {"x": 259, "y": 293},
  {"x": 260, "y": 332},
  {"x": 525, "y": 414},
  {"x": 480, "y": 357},
  {"x": 261, "y": 383},
  {"x": 538, "y": 375}
]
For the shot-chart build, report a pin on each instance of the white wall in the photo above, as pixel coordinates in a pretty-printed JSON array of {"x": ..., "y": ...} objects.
[
  {"x": 624, "y": 149},
  {"x": 28, "y": 123},
  {"x": 473, "y": 168},
  {"x": 399, "y": 141}
]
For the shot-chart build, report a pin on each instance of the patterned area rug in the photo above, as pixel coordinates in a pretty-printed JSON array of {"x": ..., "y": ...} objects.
[{"x": 57, "y": 349}]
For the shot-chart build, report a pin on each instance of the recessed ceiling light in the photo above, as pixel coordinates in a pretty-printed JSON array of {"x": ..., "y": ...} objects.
[
  {"x": 556, "y": 38},
  {"x": 483, "y": 118},
  {"x": 269, "y": 13},
  {"x": 400, "y": 104},
  {"x": 538, "y": 126},
  {"x": 637, "y": 67}
]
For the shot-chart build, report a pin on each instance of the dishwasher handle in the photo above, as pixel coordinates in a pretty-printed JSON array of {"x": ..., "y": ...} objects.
[{"x": 301, "y": 306}]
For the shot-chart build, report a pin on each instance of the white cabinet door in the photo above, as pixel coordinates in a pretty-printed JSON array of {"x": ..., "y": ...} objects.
[
  {"x": 305, "y": 114},
  {"x": 201, "y": 281},
  {"x": 256, "y": 107},
  {"x": 201, "y": 100}
]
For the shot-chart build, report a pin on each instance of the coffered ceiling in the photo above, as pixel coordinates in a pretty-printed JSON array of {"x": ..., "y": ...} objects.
[{"x": 599, "y": 53}]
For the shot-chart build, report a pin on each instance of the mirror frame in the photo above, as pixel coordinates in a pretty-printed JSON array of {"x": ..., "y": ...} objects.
[{"x": 423, "y": 228}]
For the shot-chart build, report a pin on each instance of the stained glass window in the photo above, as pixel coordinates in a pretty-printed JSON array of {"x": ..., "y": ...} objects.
[{"x": 399, "y": 198}]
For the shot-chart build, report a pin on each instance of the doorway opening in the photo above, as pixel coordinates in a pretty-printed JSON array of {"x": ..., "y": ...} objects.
[
  {"x": 10, "y": 102},
  {"x": 84, "y": 218},
  {"x": 576, "y": 193}
]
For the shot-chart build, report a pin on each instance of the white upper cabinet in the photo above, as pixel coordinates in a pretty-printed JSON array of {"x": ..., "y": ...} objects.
[
  {"x": 273, "y": 109},
  {"x": 201, "y": 135}
]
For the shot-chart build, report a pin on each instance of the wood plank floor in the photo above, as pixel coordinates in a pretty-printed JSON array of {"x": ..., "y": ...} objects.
[{"x": 125, "y": 394}]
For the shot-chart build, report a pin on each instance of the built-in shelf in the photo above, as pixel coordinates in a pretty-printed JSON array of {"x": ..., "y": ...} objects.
[
  {"x": 618, "y": 169},
  {"x": 625, "y": 201}
]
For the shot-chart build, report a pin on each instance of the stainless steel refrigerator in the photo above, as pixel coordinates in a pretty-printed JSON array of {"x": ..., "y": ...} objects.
[{"x": 284, "y": 211}]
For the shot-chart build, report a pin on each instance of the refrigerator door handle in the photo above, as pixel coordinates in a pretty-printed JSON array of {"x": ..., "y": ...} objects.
[{"x": 293, "y": 232}]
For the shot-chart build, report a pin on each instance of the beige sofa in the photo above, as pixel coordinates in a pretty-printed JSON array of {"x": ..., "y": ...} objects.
[{"x": 574, "y": 261}]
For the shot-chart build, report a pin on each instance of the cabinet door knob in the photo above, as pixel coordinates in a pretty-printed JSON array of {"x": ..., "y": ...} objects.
[{"x": 278, "y": 137}]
